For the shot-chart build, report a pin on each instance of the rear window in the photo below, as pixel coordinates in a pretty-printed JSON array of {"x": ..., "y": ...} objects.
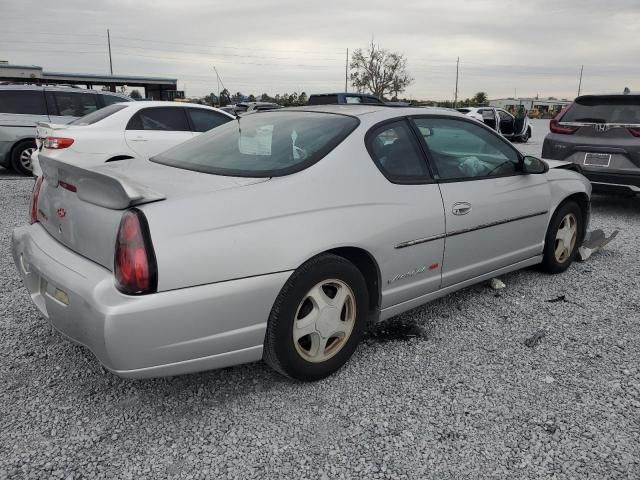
[
  {"x": 266, "y": 145},
  {"x": 603, "y": 109},
  {"x": 25, "y": 102},
  {"x": 323, "y": 99},
  {"x": 98, "y": 115}
]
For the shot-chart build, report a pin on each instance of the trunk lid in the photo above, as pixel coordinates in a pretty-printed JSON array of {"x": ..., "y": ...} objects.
[{"x": 82, "y": 208}]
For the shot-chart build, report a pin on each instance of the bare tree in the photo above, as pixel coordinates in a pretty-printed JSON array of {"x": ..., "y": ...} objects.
[{"x": 379, "y": 71}]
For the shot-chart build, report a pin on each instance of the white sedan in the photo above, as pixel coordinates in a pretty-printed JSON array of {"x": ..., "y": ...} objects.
[{"x": 125, "y": 130}]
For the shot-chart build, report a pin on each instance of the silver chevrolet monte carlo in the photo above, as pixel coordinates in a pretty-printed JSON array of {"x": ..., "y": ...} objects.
[{"x": 281, "y": 235}]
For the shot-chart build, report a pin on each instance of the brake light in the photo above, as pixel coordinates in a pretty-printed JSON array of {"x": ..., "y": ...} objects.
[
  {"x": 635, "y": 131},
  {"x": 33, "y": 207},
  {"x": 56, "y": 143},
  {"x": 135, "y": 263},
  {"x": 555, "y": 126}
]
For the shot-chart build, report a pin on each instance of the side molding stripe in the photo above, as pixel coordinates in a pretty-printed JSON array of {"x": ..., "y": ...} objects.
[{"x": 418, "y": 241}]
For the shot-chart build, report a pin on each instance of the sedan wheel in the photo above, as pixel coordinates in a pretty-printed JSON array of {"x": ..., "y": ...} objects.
[
  {"x": 566, "y": 237},
  {"x": 563, "y": 237},
  {"x": 21, "y": 157},
  {"x": 324, "y": 321},
  {"x": 317, "y": 320}
]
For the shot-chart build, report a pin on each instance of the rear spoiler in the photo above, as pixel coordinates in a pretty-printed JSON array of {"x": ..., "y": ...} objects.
[
  {"x": 101, "y": 185},
  {"x": 52, "y": 126}
]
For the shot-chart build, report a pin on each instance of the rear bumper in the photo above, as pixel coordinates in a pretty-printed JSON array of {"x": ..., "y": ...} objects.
[
  {"x": 167, "y": 333},
  {"x": 613, "y": 182}
]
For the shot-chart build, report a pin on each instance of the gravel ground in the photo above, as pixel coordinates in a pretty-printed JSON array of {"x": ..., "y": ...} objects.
[{"x": 480, "y": 384}]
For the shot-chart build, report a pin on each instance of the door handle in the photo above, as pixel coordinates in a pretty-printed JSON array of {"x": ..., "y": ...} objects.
[
  {"x": 461, "y": 208},
  {"x": 139, "y": 139}
]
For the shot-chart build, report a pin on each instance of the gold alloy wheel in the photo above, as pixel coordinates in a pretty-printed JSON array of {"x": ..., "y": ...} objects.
[{"x": 324, "y": 320}]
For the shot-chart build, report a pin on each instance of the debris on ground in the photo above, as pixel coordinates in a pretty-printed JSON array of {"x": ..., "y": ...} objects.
[
  {"x": 535, "y": 339},
  {"x": 594, "y": 241},
  {"x": 497, "y": 284},
  {"x": 561, "y": 298}
]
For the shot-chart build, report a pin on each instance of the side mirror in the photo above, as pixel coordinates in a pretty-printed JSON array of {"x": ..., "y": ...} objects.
[{"x": 533, "y": 165}]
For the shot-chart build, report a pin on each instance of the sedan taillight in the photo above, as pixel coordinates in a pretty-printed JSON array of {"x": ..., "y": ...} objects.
[
  {"x": 635, "y": 132},
  {"x": 57, "y": 143},
  {"x": 135, "y": 262},
  {"x": 33, "y": 207}
]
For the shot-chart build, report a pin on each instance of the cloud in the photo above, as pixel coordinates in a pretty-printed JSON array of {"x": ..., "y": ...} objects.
[{"x": 257, "y": 46}]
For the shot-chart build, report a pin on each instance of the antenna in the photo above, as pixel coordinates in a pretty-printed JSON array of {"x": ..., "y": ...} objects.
[
  {"x": 580, "y": 82},
  {"x": 109, "y": 44},
  {"x": 455, "y": 101}
]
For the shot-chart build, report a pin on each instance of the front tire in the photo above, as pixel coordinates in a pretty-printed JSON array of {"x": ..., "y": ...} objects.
[
  {"x": 21, "y": 157},
  {"x": 524, "y": 138},
  {"x": 563, "y": 238},
  {"x": 317, "y": 321}
]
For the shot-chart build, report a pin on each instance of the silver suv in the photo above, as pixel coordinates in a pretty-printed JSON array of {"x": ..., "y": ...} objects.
[
  {"x": 602, "y": 134},
  {"x": 22, "y": 106}
]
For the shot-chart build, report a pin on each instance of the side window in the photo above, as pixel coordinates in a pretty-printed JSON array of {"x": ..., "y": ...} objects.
[
  {"x": 25, "y": 102},
  {"x": 161, "y": 118},
  {"x": 504, "y": 116},
  {"x": 111, "y": 99},
  {"x": 352, "y": 99},
  {"x": 463, "y": 150},
  {"x": 396, "y": 152},
  {"x": 75, "y": 104},
  {"x": 203, "y": 120}
]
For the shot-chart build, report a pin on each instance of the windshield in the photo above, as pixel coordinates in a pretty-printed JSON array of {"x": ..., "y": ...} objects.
[
  {"x": 603, "y": 109},
  {"x": 266, "y": 144},
  {"x": 98, "y": 115}
]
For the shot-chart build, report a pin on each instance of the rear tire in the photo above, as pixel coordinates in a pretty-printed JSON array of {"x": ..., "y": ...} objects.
[
  {"x": 21, "y": 157},
  {"x": 563, "y": 238},
  {"x": 317, "y": 321}
]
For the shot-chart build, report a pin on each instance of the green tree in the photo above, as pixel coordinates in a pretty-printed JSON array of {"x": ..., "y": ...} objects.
[
  {"x": 252, "y": 98},
  {"x": 135, "y": 94},
  {"x": 480, "y": 98},
  {"x": 265, "y": 98},
  {"x": 381, "y": 72},
  {"x": 237, "y": 97},
  {"x": 225, "y": 99},
  {"x": 303, "y": 99},
  {"x": 211, "y": 99}
]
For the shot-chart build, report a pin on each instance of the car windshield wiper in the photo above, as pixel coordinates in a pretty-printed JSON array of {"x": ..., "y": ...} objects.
[{"x": 588, "y": 119}]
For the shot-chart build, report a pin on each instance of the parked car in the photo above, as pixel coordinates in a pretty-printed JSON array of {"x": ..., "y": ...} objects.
[
  {"x": 22, "y": 106},
  {"x": 343, "y": 99},
  {"x": 601, "y": 133},
  {"x": 125, "y": 130},
  {"x": 282, "y": 235},
  {"x": 515, "y": 128},
  {"x": 248, "y": 107}
]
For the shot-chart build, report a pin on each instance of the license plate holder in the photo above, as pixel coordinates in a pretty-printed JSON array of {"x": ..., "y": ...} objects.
[{"x": 597, "y": 159}]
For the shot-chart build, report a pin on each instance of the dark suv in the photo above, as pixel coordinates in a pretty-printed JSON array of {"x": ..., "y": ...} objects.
[
  {"x": 602, "y": 134},
  {"x": 22, "y": 106}
]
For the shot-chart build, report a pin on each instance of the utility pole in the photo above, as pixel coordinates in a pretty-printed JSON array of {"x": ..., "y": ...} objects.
[
  {"x": 580, "y": 82},
  {"x": 109, "y": 44},
  {"x": 219, "y": 82},
  {"x": 455, "y": 101},
  {"x": 346, "y": 71}
]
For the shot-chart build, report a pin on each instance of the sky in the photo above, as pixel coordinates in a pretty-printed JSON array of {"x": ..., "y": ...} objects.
[{"x": 506, "y": 47}]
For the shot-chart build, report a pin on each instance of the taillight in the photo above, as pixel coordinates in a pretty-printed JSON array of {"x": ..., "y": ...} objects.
[
  {"x": 56, "y": 143},
  {"x": 33, "y": 208},
  {"x": 555, "y": 126},
  {"x": 135, "y": 266},
  {"x": 635, "y": 132}
]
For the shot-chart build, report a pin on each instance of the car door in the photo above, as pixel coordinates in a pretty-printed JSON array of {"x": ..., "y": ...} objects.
[
  {"x": 203, "y": 120},
  {"x": 496, "y": 216},
  {"x": 65, "y": 106},
  {"x": 410, "y": 265},
  {"x": 489, "y": 118},
  {"x": 507, "y": 122},
  {"x": 155, "y": 129}
]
